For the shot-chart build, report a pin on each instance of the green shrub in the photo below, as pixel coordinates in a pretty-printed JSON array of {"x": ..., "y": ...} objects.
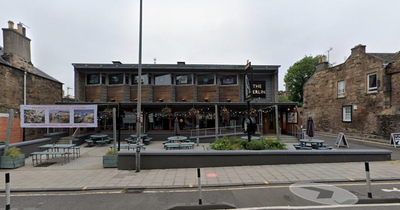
[
  {"x": 273, "y": 144},
  {"x": 255, "y": 145},
  {"x": 14, "y": 152},
  {"x": 110, "y": 152}
]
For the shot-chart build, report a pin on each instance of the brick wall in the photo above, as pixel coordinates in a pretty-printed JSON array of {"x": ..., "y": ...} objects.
[{"x": 16, "y": 130}]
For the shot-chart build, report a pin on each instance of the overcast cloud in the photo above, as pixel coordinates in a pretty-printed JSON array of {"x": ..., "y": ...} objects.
[{"x": 268, "y": 32}]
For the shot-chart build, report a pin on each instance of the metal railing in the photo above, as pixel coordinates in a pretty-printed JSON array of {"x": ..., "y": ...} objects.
[
  {"x": 211, "y": 131},
  {"x": 296, "y": 131}
]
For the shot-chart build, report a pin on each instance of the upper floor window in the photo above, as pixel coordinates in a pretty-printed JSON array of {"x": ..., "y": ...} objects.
[
  {"x": 228, "y": 80},
  {"x": 206, "y": 79},
  {"x": 145, "y": 79},
  {"x": 346, "y": 115},
  {"x": 163, "y": 79},
  {"x": 372, "y": 81},
  {"x": 114, "y": 79},
  {"x": 340, "y": 89},
  {"x": 127, "y": 79},
  {"x": 93, "y": 79},
  {"x": 186, "y": 79}
]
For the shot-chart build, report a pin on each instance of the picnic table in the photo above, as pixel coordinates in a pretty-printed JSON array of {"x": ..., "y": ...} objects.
[
  {"x": 101, "y": 139},
  {"x": 132, "y": 139},
  {"x": 308, "y": 144},
  {"x": 176, "y": 139},
  {"x": 54, "y": 148},
  {"x": 185, "y": 145},
  {"x": 128, "y": 146}
]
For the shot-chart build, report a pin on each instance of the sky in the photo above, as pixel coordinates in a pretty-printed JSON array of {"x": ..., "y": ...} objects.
[{"x": 267, "y": 32}]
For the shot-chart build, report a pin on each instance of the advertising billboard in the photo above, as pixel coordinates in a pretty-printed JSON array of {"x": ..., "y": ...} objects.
[{"x": 56, "y": 116}]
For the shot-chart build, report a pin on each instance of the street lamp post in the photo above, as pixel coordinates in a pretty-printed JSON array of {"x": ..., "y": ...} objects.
[{"x": 139, "y": 101}]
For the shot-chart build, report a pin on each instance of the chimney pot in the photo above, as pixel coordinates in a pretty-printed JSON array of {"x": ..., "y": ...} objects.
[
  {"x": 19, "y": 28},
  {"x": 10, "y": 24}
]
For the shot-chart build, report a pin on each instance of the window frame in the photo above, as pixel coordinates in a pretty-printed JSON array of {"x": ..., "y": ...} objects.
[
  {"x": 122, "y": 79},
  {"x": 344, "y": 113},
  {"x": 339, "y": 93},
  {"x": 159, "y": 75},
  {"x": 202, "y": 75},
  {"x": 87, "y": 78},
  {"x": 133, "y": 76},
  {"x": 220, "y": 78},
  {"x": 373, "y": 89},
  {"x": 179, "y": 75}
]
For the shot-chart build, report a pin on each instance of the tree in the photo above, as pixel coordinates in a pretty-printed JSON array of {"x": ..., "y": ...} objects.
[
  {"x": 298, "y": 74},
  {"x": 283, "y": 99}
]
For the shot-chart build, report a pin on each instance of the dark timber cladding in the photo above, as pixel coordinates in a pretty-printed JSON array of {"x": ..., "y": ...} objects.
[{"x": 208, "y": 88}]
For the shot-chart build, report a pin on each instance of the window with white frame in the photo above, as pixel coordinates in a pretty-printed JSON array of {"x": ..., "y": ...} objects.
[
  {"x": 340, "y": 89},
  {"x": 372, "y": 81},
  {"x": 347, "y": 113}
]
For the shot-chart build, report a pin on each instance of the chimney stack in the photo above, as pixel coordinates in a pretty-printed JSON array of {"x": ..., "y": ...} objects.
[
  {"x": 17, "y": 47},
  {"x": 358, "y": 49}
]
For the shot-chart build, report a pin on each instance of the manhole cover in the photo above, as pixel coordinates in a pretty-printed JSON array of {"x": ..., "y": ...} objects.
[{"x": 45, "y": 164}]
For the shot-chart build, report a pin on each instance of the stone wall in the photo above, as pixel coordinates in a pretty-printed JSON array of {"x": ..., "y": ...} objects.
[
  {"x": 39, "y": 91},
  {"x": 371, "y": 114}
]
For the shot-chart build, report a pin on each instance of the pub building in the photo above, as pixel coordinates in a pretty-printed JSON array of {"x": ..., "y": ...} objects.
[{"x": 193, "y": 93}]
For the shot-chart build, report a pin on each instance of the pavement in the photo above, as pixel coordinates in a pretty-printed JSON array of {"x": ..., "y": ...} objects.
[{"x": 87, "y": 173}]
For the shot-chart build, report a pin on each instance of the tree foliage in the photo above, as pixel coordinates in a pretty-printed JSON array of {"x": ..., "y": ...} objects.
[
  {"x": 283, "y": 99},
  {"x": 298, "y": 74}
]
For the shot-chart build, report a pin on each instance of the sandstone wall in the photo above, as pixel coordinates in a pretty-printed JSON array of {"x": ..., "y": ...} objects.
[{"x": 321, "y": 100}]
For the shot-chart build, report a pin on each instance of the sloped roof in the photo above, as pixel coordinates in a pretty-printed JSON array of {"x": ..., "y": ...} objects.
[
  {"x": 383, "y": 56},
  {"x": 1, "y": 58},
  {"x": 43, "y": 74}
]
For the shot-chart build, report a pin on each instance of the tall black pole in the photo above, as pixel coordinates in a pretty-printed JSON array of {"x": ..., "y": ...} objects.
[
  {"x": 248, "y": 116},
  {"x": 139, "y": 101}
]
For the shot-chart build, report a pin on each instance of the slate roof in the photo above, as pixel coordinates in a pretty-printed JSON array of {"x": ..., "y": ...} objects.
[
  {"x": 1, "y": 58},
  {"x": 383, "y": 56},
  {"x": 43, "y": 74},
  {"x": 36, "y": 70}
]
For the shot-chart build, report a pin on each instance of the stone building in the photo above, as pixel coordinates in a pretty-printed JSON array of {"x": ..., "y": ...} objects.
[
  {"x": 360, "y": 96},
  {"x": 22, "y": 83}
]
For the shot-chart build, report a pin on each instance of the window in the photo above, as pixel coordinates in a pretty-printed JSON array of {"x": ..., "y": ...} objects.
[
  {"x": 228, "y": 80},
  {"x": 346, "y": 113},
  {"x": 127, "y": 79},
  {"x": 340, "y": 89},
  {"x": 163, "y": 79},
  {"x": 372, "y": 81},
  {"x": 145, "y": 79},
  {"x": 93, "y": 79},
  {"x": 186, "y": 79},
  {"x": 206, "y": 79},
  {"x": 115, "y": 79}
]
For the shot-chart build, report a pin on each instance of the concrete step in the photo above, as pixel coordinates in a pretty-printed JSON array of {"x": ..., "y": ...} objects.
[{"x": 65, "y": 140}]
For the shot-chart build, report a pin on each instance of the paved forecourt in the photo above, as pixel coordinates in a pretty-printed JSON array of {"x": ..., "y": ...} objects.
[{"x": 87, "y": 172}]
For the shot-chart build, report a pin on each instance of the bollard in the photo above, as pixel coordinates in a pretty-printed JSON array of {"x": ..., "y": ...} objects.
[
  {"x": 368, "y": 179},
  {"x": 198, "y": 176},
  {"x": 8, "y": 191}
]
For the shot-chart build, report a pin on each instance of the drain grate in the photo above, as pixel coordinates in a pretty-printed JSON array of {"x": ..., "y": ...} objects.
[
  {"x": 133, "y": 191},
  {"x": 45, "y": 164}
]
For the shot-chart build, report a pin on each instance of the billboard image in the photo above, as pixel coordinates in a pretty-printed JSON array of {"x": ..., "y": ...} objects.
[{"x": 54, "y": 116}]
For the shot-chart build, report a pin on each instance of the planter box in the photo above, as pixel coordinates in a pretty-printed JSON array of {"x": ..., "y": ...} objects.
[
  {"x": 110, "y": 161},
  {"x": 9, "y": 162}
]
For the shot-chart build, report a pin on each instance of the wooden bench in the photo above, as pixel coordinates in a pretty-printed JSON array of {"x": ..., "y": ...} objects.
[{"x": 35, "y": 156}]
